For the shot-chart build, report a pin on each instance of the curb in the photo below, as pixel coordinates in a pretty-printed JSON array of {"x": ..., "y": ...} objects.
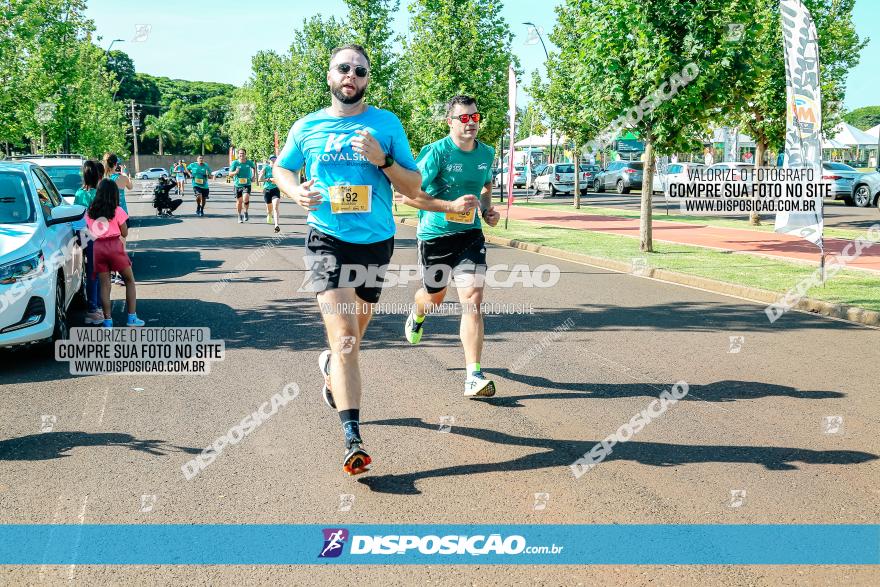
[{"x": 838, "y": 311}]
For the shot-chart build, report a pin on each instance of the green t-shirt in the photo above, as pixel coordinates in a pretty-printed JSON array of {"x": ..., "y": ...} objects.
[
  {"x": 447, "y": 174},
  {"x": 267, "y": 176},
  {"x": 247, "y": 173},
  {"x": 84, "y": 197},
  {"x": 200, "y": 174}
]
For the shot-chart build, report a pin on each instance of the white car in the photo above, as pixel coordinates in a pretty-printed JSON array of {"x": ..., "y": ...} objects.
[
  {"x": 64, "y": 170},
  {"x": 152, "y": 173},
  {"x": 222, "y": 172},
  {"x": 41, "y": 263},
  {"x": 559, "y": 177},
  {"x": 519, "y": 176},
  {"x": 675, "y": 173}
]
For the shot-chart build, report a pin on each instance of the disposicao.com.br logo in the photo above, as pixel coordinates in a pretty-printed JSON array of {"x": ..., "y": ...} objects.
[{"x": 431, "y": 544}]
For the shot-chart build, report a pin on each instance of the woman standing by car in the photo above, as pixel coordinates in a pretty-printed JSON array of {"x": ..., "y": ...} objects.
[
  {"x": 92, "y": 172},
  {"x": 117, "y": 174}
]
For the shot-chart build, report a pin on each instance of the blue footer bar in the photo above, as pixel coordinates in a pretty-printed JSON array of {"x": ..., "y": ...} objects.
[{"x": 175, "y": 544}]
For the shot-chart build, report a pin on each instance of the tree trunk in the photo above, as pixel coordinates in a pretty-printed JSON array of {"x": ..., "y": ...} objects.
[
  {"x": 760, "y": 149},
  {"x": 203, "y": 149},
  {"x": 577, "y": 177},
  {"x": 646, "y": 244},
  {"x": 161, "y": 151}
]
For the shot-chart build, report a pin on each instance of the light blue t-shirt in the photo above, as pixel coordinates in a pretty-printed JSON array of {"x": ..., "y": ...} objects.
[{"x": 322, "y": 143}]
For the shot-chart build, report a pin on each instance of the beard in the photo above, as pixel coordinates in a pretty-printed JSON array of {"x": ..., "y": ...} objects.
[{"x": 336, "y": 90}]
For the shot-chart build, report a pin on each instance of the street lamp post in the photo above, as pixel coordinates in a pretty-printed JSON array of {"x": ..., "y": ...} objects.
[{"x": 547, "y": 58}]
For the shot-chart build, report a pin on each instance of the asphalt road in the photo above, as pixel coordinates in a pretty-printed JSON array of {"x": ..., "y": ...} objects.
[
  {"x": 837, "y": 214},
  {"x": 752, "y": 421}
]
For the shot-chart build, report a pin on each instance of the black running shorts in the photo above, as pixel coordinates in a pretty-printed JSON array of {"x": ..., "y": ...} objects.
[
  {"x": 271, "y": 194},
  {"x": 199, "y": 191},
  {"x": 458, "y": 252},
  {"x": 334, "y": 264},
  {"x": 243, "y": 189}
]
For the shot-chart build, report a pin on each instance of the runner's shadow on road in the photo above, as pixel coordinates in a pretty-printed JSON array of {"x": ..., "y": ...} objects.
[
  {"x": 54, "y": 445},
  {"x": 718, "y": 391},
  {"x": 563, "y": 453}
]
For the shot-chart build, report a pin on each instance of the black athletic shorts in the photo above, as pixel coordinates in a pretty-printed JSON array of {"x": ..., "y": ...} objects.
[
  {"x": 271, "y": 194},
  {"x": 240, "y": 190},
  {"x": 200, "y": 191},
  {"x": 459, "y": 252},
  {"x": 334, "y": 264}
]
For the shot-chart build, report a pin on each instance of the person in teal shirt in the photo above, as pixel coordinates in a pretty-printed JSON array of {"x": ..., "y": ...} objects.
[
  {"x": 271, "y": 193},
  {"x": 450, "y": 237},
  {"x": 242, "y": 171},
  {"x": 200, "y": 173},
  {"x": 118, "y": 173},
  {"x": 92, "y": 172}
]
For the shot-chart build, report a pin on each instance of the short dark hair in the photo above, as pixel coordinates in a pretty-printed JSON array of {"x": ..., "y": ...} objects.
[
  {"x": 460, "y": 99},
  {"x": 350, "y": 47},
  {"x": 92, "y": 172}
]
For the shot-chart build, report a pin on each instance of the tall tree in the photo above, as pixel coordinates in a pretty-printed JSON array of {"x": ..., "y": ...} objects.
[
  {"x": 202, "y": 136},
  {"x": 161, "y": 128},
  {"x": 661, "y": 67},
  {"x": 455, "y": 47},
  {"x": 863, "y": 118},
  {"x": 758, "y": 75},
  {"x": 369, "y": 25}
]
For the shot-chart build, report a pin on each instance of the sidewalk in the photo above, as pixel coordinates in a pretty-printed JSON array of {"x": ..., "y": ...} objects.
[{"x": 768, "y": 244}]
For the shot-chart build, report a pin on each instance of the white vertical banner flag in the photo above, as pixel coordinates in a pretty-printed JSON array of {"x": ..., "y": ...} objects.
[
  {"x": 511, "y": 103},
  {"x": 803, "y": 148}
]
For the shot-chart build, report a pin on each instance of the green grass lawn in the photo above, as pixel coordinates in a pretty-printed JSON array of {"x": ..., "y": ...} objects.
[
  {"x": 843, "y": 233},
  {"x": 855, "y": 288}
]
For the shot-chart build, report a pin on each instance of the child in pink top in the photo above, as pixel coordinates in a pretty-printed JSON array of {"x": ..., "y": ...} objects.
[{"x": 106, "y": 221}]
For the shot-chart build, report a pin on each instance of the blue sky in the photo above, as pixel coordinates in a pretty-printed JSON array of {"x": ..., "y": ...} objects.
[{"x": 214, "y": 41}]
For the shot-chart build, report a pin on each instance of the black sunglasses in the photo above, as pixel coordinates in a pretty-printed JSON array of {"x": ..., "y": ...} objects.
[{"x": 345, "y": 68}]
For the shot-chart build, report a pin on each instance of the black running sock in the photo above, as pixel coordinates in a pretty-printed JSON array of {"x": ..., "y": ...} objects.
[{"x": 351, "y": 422}]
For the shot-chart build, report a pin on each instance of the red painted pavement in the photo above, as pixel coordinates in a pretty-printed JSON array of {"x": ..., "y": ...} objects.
[{"x": 729, "y": 239}]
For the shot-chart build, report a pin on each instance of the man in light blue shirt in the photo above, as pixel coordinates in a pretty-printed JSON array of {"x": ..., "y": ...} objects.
[{"x": 351, "y": 153}]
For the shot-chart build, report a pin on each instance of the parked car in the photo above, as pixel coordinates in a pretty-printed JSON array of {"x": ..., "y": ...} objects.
[
  {"x": 558, "y": 177},
  {"x": 42, "y": 267},
  {"x": 64, "y": 170},
  {"x": 590, "y": 173},
  {"x": 519, "y": 176},
  {"x": 674, "y": 173},
  {"x": 866, "y": 190},
  {"x": 620, "y": 175},
  {"x": 536, "y": 171},
  {"x": 152, "y": 173},
  {"x": 222, "y": 172},
  {"x": 843, "y": 178}
]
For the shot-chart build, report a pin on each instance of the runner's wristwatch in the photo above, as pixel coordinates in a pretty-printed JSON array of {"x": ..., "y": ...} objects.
[{"x": 389, "y": 161}]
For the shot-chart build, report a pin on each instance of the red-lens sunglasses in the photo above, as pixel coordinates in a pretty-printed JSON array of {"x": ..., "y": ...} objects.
[{"x": 465, "y": 118}]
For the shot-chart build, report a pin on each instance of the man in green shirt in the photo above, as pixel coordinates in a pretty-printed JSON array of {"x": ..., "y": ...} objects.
[
  {"x": 450, "y": 237},
  {"x": 200, "y": 174},
  {"x": 271, "y": 193},
  {"x": 242, "y": 171}
]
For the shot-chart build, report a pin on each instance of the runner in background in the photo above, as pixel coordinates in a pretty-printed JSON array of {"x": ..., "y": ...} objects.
[
  {"x": 271, "y": 193},
  {"x": 200, "y": 173},
  {"x": 242, "y": 171}
]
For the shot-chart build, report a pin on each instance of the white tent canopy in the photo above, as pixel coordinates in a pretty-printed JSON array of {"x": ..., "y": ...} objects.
[
  {"x": 833, "y": 144},
  {"x": 874, "y": 132},
  {"x": 851, "y": 136},
  {"x": 537, "y": 141}
]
